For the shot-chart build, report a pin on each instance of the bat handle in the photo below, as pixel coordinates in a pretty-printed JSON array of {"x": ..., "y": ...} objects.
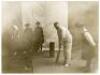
[{"x": 57, "y": 58}]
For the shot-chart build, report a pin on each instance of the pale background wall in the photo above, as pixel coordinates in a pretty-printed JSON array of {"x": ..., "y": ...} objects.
[
  {"x": 10, "y": 14},
  {"x": 66, "y": 13},
  {"x": 86, "y": 13},
  {"x": 47, "y": 13}
]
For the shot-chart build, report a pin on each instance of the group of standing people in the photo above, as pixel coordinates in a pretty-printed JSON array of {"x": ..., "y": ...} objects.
[
  {"x": 30, "y": 42},
  {"x": 20, "y": 45}
]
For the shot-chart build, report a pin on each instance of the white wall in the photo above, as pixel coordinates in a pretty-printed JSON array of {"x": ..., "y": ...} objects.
[
  {"x": 86, "y": 13},
  {"x": 30, "y": 12},
  {"x": 48, "y": 12},
  {"x": 11, "y": 14}
]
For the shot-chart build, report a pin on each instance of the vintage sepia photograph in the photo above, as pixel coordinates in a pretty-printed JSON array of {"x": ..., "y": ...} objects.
[{"x": 50, "y": 36}]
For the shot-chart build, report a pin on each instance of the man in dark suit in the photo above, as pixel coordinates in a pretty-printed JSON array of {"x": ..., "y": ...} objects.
[{"x": 39, "y": 37}]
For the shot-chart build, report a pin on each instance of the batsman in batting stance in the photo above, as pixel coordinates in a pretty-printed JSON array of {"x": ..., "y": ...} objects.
[{"x": 65, "y": 41}]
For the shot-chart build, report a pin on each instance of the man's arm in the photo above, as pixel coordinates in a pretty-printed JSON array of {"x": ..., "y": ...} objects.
[
  {"x": 60, "y": 38},
  {"x": 89, "y": 38},
  {"x": 60, "y": 43},
  {"x": 42, "y": 35}
]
